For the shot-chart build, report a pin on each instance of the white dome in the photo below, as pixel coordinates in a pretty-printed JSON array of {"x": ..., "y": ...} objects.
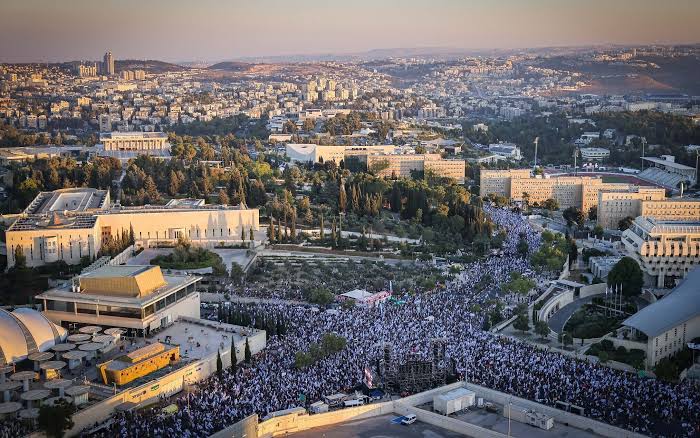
[
  {"x": 25, "y": 331},
  {"x": 45, "y": 333}
]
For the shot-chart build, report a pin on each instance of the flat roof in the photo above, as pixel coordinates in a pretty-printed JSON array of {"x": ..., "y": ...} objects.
[
  {"x": 679, "y": 306},
  {"x": 76, "y": 200},
  {"x": 132, "y": 135},
  {"x": 199, "y": 338}
]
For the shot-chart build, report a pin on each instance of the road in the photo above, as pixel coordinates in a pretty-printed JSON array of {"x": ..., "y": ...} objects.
[{"x": 558, "y": 320}]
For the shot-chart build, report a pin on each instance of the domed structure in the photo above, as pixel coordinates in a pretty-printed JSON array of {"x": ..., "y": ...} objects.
[{"x": 25, "y": 331}]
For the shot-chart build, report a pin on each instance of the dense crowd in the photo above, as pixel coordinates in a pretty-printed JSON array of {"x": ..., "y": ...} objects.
[{"x": 272, "y": 382}]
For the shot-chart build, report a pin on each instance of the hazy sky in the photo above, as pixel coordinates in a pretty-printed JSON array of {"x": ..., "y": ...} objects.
[{"x": 179, "y": 30}]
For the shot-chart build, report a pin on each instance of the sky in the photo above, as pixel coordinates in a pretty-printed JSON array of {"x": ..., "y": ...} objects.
[{"x": 214, "y": 30}]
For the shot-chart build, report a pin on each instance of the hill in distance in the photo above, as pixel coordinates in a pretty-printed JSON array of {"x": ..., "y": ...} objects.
[
  {"x": 150, "y": 65},
  {"x": 230, "y": 66}
]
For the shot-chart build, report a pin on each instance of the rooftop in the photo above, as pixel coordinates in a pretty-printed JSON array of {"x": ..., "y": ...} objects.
[
  {"x": 132, "y": 135},
  {"x": 682, "y": 304},
  {"x": 668, "y": 163},
  {"x": 128, "y": 286},
  {"x": 75, "y": 200}
]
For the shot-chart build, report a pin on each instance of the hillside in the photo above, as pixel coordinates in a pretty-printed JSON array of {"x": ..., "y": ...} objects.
[
  {"x": 150, "y": 66},
  {"x": 231, "y": 66}
]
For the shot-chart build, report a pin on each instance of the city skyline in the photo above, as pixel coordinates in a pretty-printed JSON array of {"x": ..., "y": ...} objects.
[{"x": 39, "y": 31}]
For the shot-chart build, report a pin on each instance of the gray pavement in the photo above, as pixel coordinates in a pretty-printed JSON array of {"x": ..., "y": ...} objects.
[
  {"x": 558, "y": 320},
  {"x": 376, "y": 427},
  {"x": 498, "y": 423}
]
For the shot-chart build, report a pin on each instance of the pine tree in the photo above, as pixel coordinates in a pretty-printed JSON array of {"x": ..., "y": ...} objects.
[
  {"x": 322, "y": 233},
  {"x": 242, "y": 234},
  {"x": 396, "y": 198},
  {"x": 293, "y": 234},
  {"x": 248, "y": 354},
  {"x": 234, "y": 359},
  {"x": 342, "y": 197},
  {"x": 271, "y": 230},
  {"x": 251, "y": 236},
  {"x": 219, "y": 364}
]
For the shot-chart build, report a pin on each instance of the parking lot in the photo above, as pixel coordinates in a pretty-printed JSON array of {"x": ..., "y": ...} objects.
[{"x": 377, "y": 427}]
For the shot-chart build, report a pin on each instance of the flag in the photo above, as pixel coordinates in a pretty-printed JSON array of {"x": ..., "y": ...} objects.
[{"x": 368, "y": 378}]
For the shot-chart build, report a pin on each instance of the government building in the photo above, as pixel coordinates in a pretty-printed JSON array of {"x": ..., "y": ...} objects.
[
  {"x": 401, "y": 165},
  {"x": 569, "y": 191},
  {"x": 615, "y": 205},
  {"x": 70, "y": 224},
  {"x": 665, "y": 250}
]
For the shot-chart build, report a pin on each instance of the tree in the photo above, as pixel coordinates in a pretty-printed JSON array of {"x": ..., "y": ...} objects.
[
  {"x": 234, "y": 359},
  {"x": 236, "y": 272},
  {"x": 627, "y": 273},
  {"x": 219, "y": 363},
  {"x": 322, "y": 232},
  {"x": 223, "y": 197},
  {"x": 593, "y": 213},
  {"x": 574, "y": 216},
  {"x": 242, "y": 234},
  {"x": 57, "y": 419},
  {"x": 598, "y": 232},
  {"x": 523, "y": 246},
  {"x": 248, "y": 354},
  {"x": 521, "y": 323},
  {"x": 550, "y": 204},
  {"x": 568, "y": 339},
  {"x": 251, "y": 236},
  {"x": 625, "y": 223},
  {"x": 542, "y": 329},
  {"x": 342, "y": 197},
  {"x": 20, "y": 258}
]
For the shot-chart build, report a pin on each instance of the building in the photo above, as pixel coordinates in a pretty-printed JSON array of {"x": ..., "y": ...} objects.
[
  {"x": 108, "y": 64},
  {"x": 87, "y": 71},
  {"x": 105, "y": 121},
  {"x": 671, "y": 322},
  {"x": 601, "y": 266},
  {"x": 665, "y": 250},
  {"x": 569, "y": 191},
  {"x": 138, "y": 363},
  {"x": 134, "y": 141},
  {"x": 401, "y": 165},
  {"x": 667, "y": 173},
  {"x": 363, "y": 298},
  {"x": 506, "y": 150},
  {"x": 70, "y": 224},
  {"x": 615, "y": 205},
  {"x": 313, "y": 153},
  {"x": 136, "y": 298},
  {"x": 26, "y": 331},
  {"x": 595, "y": 154}
]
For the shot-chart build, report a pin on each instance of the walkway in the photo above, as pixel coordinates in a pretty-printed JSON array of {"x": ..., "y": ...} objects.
[{"x": 558, "y": 320}]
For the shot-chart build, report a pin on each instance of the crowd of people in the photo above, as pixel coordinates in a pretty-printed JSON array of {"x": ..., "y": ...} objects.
[{"x": 272, "y": 382}]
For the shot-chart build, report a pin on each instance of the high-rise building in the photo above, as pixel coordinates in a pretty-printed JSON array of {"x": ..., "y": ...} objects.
[{"x": 108, "y": 64}]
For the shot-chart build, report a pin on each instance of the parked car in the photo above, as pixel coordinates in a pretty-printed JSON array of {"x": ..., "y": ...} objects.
[{"x": 409, "y": 419}]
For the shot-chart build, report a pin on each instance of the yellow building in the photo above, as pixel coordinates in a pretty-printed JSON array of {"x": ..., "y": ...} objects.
[
  {"x": 138, "y": 363},
  {"x": 615, "y": 205},
  {"x": 134, "y": 141},
  {"x": 136, "y": 298},
  {"x": 70, "y": 224},
  {"x": 568, "y": 191},
  {"x": 401, "y": 165}
]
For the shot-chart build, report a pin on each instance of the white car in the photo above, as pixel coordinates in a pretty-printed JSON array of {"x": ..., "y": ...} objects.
[{"x": 408, "y": 419}]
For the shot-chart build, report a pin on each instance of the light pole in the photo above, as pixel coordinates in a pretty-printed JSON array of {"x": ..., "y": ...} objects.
[{"x": 509, "y": 405}]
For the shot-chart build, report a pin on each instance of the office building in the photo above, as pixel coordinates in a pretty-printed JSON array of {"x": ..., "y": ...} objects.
[
  {"x": 665, "y": 250},
  {"x": 569, "y": 191},
  {"x": 70, "y": 224},
  {"x": 402, "y": 165},
  {"x": 615, "y": 205},
  {"x": 594, "y": 154}
]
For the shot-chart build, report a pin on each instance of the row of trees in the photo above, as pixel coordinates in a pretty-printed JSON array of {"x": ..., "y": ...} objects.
[{"x": 331, "y": 343}]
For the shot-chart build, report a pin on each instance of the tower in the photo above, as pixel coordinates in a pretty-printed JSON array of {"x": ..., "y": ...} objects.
[{"x": 108, "y": 64}]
